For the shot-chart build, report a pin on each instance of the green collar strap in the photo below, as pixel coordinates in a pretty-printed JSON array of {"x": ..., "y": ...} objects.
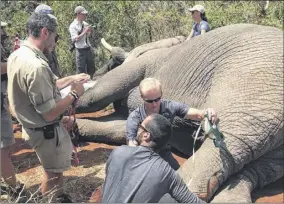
[{"x": 213, "y": 129}]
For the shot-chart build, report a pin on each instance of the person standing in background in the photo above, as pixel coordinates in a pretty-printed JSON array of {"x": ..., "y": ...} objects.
[
  {"x": 200, "y": 25},
  {"x": 80, "y": 32}
]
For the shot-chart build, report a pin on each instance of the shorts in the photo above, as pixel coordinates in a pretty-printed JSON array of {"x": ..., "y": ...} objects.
[
  {"x": 7, "y": 134},
  {"x": 54, "y": 154}
]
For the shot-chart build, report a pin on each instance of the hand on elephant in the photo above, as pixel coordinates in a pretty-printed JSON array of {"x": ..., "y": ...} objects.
[
  {"x": 82, "y": 78},
  {"x": 212, "y": 115},
  {"x": 68, "y": 122},
  {"x": 78, "y": 88}
]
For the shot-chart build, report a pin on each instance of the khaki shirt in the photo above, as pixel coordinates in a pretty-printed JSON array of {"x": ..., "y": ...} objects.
[{"x": 32, "y": 87}]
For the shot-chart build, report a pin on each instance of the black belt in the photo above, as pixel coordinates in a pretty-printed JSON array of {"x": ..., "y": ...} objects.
[
  {"x": 44, "y": 127},
  {"x": 86, "y": 48}
]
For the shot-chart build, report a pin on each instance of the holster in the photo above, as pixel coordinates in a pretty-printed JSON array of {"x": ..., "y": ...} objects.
[{"x": 48, "y": 130}]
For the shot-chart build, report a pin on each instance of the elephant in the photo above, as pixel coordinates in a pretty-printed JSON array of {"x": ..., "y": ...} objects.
[
  {"x": 236, "y": 69},
  {"x": 118, "y": 56}
]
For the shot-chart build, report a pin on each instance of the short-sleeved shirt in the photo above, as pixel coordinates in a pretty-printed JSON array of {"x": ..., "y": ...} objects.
[
  {"x": 168, "y": 108},
  {"x": 197, "y": 27},
  {"x": 139, "y": 175},
  {"x": 32, "y": 89},
  {"x": 74, "y": 28}
]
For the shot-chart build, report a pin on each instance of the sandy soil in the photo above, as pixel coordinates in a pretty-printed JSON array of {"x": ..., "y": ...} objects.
[{"x": 83, "y": 180}]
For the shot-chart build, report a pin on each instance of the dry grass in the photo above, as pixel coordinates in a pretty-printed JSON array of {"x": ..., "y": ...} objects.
[{"x": 79, "y": 181}]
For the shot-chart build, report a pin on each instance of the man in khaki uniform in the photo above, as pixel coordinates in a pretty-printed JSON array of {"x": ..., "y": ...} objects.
[{"x": 33, "y": 92}]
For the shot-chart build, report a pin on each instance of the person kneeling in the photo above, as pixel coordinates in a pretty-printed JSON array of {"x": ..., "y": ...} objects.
[{"x": 139, "y": 174}]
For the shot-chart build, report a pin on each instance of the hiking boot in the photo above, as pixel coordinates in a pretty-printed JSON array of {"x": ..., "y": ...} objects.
[{"x": 64, "y": 198}]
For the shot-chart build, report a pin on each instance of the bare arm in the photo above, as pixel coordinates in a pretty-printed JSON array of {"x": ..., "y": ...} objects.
[
  {"x": 60, "y": 107},
  {"x": 66, "y": 81},
  {"x": 74, "y": 34},
  {"x": 78, "y": 37},
  {"x": 3, "y": 67},
  {"x": 190, "y": 35},
  {"x": 203, "y": 31},
  {"x": 197, "y": 114}
]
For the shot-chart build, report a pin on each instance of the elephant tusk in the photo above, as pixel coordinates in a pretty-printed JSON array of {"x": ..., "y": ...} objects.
[{"x": 106, "y": 45}]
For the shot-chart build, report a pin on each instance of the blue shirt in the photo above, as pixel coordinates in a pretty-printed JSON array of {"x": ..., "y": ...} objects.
[
  {"x": 168, "y": 109},
  {"x": 197, "y": 27}
]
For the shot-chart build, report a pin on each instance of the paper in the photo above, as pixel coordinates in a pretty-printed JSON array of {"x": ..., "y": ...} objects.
[{"x": 64, "y": 92}]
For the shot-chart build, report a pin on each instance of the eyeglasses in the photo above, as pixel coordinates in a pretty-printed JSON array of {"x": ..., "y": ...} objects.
[
  {"x": 56, "y": 38},
  {"x": 152, "y": 100}
]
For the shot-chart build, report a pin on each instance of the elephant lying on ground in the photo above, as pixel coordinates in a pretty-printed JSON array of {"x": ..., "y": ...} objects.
[
  {"x": 238, "y": 70},
  {"x": 118, "y": 56}
]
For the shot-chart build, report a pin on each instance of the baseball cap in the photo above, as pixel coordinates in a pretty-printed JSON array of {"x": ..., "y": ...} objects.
[
  {"x": 199, "y": 8},
  {"x": 160, "y": 129},
  {"x": 3, "y": 24},
  {"x": 45, "y": 9},
  {"x": 80, "y": 9}
]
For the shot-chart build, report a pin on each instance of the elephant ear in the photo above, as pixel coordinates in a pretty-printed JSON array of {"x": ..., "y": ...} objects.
[{"x": 164, "y": 43}]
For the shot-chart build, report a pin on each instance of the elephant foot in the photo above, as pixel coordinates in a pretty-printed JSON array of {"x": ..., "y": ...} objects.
[
  {"x": 108, "y": 129},
  {"x": 256, "y": 174},
  {"x": 236, "y": 190}
]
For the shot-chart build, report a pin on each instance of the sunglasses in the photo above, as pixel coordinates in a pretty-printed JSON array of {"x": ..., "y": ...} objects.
[
  {"x": 56, "y": 38},
  {"x": 142, "y": 127},
  {"x": 152, "y": 100}
]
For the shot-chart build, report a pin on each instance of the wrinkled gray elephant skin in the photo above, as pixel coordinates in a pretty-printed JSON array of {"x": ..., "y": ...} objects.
[{"x": 236, "y": 69}]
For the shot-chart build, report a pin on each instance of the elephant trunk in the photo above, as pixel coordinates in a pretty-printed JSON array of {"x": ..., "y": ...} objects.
[{"x": 112, "y": 86}]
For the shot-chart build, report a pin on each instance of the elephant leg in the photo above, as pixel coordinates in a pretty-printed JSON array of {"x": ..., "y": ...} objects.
[
  {"x": 106, "y": 129},
  {"x": 256, "y": 174}
]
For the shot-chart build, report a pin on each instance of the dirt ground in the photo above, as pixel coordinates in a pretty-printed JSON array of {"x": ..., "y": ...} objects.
[{"x": 83, "y": 180}]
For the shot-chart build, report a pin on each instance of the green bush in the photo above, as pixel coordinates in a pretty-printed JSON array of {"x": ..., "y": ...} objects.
[{"x": 131, "y": 23}]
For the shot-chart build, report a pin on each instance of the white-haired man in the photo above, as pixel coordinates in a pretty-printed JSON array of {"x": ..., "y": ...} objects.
[{"x": 151, "y": 93}]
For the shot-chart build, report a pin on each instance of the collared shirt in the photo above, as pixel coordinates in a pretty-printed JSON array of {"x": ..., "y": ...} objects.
[
  {"x": 139, "y": 175},
  {"x": 32, "y": 87},
  {"x": 168, "y": 109},
  {"x": 74, "y": 28}
]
